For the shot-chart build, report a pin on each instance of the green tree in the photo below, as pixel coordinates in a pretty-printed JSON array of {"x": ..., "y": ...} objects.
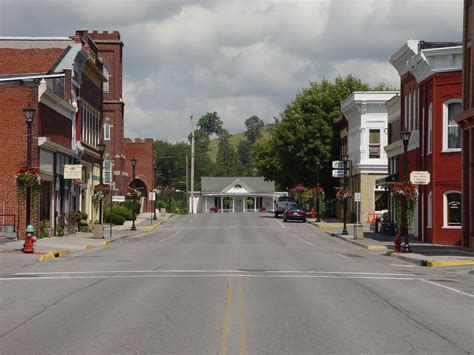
[
  {"x": 171, "y": 163},
  {"x": 210, "y": 123},
  {"x": 227, "y": 161},
  {"x": 254, "y": 129},
  {"x": 305, "y": 133},
  {"x": 243, "y": 150}
]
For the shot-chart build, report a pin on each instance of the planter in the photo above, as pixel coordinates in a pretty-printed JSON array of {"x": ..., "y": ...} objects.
[{"x": 98, "y": 231}]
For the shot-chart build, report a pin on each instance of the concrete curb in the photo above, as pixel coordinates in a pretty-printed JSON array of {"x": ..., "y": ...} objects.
[
  {"x": 416, "y": 261},
  {"x": 434, "y": 263},
  {"x": 53, "y": 254},
  {"x": 355, "y": 242},
  {"x": 148, "y": 229}
]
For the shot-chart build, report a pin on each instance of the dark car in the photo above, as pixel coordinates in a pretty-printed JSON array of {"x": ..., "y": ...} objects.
[
  {"x": 282, "y": 204},
  {"x": 294, "y": 213}
]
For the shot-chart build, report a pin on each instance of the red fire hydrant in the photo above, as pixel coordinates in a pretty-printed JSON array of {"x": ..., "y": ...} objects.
[
  {"x": 29, "y": 240},
  {"x": 312, "y": 212},
  {"x": 398, "y": 243}
]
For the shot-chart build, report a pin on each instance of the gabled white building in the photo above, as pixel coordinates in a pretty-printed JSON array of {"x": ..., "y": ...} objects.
[{"x": 366, "y": 116}]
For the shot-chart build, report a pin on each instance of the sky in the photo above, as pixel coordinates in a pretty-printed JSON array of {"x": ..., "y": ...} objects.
[{"x": 238, "y": 58}]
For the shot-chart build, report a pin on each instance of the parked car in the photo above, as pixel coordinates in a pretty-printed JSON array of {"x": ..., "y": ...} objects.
[
  {"x": 294, "y": 213},
  {"x": 283, "y": 203}
]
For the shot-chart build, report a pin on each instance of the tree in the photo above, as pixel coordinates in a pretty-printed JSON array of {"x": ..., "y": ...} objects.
[
  {"x": 210, "y": 123},
  {"x": 226, "y": 160},
  {"x": 305, "y": 133},
  {"x": 254, "y": 129},
  {"x": 171, "y": 162},
  {"x": 243, "y": 150}
]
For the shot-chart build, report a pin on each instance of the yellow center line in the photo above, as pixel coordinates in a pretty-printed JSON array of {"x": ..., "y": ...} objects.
[
  {"x": 243, "y": 337},
  {"x": 227, "y": 316}
]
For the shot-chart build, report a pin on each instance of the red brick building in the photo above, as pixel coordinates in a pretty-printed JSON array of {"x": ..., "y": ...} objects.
[
  {"x": 120, "y": 150},
  {"x": 431, "y": 95},
  {"x": 466, "y": 123}
]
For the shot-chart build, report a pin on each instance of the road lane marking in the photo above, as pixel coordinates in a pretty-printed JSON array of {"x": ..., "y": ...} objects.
[
  {"x": 343, "y": 256},
  {"x": 227, "y": 317},
  {"x": 243, "y": 336},
  {"x": 215, "y": 271},
  {"x": 171, "y": 236},
  {"x": 281, "y": 224},
  {"x": 449, "y": 288},
  {"x": 403, "y": 265},
  {"x": 304, "y": 241}
]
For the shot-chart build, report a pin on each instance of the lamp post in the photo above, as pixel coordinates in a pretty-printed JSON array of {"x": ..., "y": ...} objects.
[
  {"x": 155, "y": 191},
  {"x": 405, "y": 135},
  {"x": 318, "y": 166},
  {"x": 101, "y": 148},
  {"x": 29, "y": 113},
  {"x": 133, "y": 161},
  {"x": 345, "y": 158}
]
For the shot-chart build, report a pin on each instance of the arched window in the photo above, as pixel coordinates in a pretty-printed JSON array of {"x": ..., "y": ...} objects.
[
  {"x": 452, "y": 209},
  {"x": 105, "y": 85},
  {"x": 451, "y": 131},
  {"x": 107, "y": 130},
  {"x": 429, "y": 218}
]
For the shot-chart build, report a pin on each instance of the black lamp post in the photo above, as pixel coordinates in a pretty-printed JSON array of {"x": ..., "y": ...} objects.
[
  {"x": 405, "y": 135},
  {"x": 156, "y": 191},
  {"x": 101, "y": 148},
  {"x": 318, "y": 167},
  {"x": 134, "y": 164},
  {"x": 29, "y": 114},
  {"x": 344, "y": 229}
]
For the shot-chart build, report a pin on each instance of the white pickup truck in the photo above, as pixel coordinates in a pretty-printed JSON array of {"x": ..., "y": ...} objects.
[{"x": 282, "y": 204}]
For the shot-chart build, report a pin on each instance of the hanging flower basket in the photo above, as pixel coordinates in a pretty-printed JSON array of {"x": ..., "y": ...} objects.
[
  {"x": 100, "y": 192},
  {"x": 344, "y": 194},
  {"x": 404, "y": 191},
  {"x": 318, "y": 190},
  {"x": 28, "y": 177},
  {"x": 132, "y": 194}
]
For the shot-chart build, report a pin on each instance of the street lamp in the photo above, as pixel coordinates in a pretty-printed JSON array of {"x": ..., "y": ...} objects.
[
  {"x": 133, "y": 161},
  {"x": 155, "y": 191},
  {"x": 318, "y": 166},
  {"x": 101, "y": 148},
  {"x": 345, "y": 158},
  {"x": 29, "y": 113},
  {"x": 405, "y": 135}
]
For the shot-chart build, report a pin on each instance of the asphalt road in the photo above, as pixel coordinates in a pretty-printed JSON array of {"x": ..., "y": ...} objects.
[{"x": 234, "y": 284}]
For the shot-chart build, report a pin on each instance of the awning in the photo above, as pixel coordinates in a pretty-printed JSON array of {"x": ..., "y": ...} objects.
[{"x": 388, "y": 180}]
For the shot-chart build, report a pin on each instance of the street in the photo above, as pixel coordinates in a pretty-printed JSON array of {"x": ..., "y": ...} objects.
[{"x": 235, "y": 284}]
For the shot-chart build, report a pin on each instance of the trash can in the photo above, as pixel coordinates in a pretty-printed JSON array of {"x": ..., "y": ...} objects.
[{"x": 358, "y": 231}]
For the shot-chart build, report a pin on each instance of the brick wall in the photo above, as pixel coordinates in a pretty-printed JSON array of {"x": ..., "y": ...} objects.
[{"x": 55, "y": 126}]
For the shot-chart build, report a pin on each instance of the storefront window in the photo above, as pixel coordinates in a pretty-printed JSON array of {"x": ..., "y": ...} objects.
[{"x": 452, "y": 209}]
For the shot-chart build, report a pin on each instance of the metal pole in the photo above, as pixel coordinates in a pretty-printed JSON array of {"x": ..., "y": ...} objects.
[
  {"x": 28, "y": 162},
  {"x": 344, "y": 229},
  {"x": 187, "y": 181},
  {"x": 318, "y": 218},
  {"x": 404, "y": 226},
  {"x": 192, "y": 164},
  {"x": 134, "y": 228},
  {"x": 101, "y": 180},
  {"x": 111, "y": 208}
]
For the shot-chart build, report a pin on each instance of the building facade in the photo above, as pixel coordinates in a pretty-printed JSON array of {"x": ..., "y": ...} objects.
[{"x": 430, "y": 98}]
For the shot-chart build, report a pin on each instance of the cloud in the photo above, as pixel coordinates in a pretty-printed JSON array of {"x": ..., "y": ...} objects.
[{"x": 238, "y": 58}]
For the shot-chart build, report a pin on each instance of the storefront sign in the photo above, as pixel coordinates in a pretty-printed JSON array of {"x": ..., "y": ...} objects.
[
  {"x": 118, "y": 198},
  {"x": 420, "y": 177},
  {"x": 72, "y": 171}
]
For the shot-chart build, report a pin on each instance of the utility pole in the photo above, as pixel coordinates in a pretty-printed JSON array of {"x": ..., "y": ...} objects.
[
  {"x": 187, "y": 179},
  {"x": 192, "y": 164}
]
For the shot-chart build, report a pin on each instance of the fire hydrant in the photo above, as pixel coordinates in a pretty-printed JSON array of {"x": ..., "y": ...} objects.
[
  {"x": 398, "y": 243},
  {"x": 29, "y": 240},
  {"x": 312, "y": 212}
]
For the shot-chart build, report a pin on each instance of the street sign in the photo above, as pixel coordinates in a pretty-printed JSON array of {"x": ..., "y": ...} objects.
[
  {"x": 338, "y": 173},
  {"x": 118, "y": 198},
  {"x": 73, "y": 171},
  {"x": 338, "y": 164},
  {"x": 357, "y": 196},
  {"x": 420, "y": 177},
  {"x": 151, "y": 196}
]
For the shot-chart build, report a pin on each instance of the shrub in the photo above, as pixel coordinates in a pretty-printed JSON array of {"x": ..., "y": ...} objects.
[
  {"x": 129, "y": 203},
  {"x": 115, "y": 219},
  {"x": 124, "y": 212},
  {"x": 84, "y": 216},
  {"x": 85, "y": 229}
]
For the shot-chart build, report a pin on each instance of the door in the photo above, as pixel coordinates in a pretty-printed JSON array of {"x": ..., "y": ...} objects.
[{"x": 239, "y": 203}]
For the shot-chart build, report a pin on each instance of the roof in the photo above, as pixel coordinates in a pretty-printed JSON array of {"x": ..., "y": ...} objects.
[
  {"x": 28, "y": 61},
  {"x": 218, "y": 184}
]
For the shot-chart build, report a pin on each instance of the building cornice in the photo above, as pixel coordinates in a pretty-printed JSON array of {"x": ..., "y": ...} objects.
[
  {"x": 396, "y": 148},
  {"x": 400, "y": 58},
  {"x": 48, "y": 144},
  {"x": 55, "y": 103}
]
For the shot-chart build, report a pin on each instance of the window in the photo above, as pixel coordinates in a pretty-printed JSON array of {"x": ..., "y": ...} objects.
[
  {"x": 429, "y": 143},
  {"x": 107, "y": 131},
  {"x": 105, "y": 85},
  {"x": 107, "y": 172},
  {"x": 374, "y": 144},
  {"x": 452, "y": 209},
  {"x": 451, "y": 132},
  {"x": 429, "y": 218}
]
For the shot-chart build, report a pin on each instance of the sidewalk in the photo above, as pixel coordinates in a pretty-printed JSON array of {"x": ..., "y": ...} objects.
[
  {"x": 48, "y": 249},
  {"x": 424, "y": 254}
]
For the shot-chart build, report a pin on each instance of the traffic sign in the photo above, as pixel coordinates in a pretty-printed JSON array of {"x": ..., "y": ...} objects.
[
  {"x": 338, "y": 173},
  {"x": 151, "y": 196},
  {"x": 118, "y": 198},
  {"x": 338, "y": 164},
  {"x": 420, "y": 177},
  {"x": 357, "y": 196}
]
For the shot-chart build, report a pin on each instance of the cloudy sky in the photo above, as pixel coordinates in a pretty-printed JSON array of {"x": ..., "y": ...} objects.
[{"x": 239, "y": 58}]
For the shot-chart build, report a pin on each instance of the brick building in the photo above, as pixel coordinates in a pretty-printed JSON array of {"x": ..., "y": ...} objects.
[
  {"x": 466, "y": 123},
  {"x": 430, "y": 98}
]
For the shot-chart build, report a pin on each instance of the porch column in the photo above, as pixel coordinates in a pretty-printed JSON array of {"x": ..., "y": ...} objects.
[
  {"x": 255, "y": 204},
  {"x": 222, "y": 204},
  {"x": 233, "y": 204}
]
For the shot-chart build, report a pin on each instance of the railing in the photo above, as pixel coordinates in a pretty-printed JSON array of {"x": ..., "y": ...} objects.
[{"x": 7, "y": 223}]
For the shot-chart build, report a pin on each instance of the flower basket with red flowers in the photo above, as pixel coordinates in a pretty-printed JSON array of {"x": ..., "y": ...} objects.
[
  {"x": 344, "y": 193},
  {"x": 132, "y": 194},
  {"x": 100, "y": 192},
  {"x": 404, "y": 192},
  {"x": 318, "y": 190},
  {"x": 28, "y": 178}
]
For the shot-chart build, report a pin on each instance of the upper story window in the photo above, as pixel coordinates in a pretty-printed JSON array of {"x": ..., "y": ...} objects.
[
  {"x": 107, "y": 171},
  {"x": 374, "y": 144},
  {"x": 429, "y": 140},
  {"x": 105, "y": 85},
  {"x": 107, "y": 131},
  {"x": 452, "y": 209},
  {"x": 451, "y": 131}
]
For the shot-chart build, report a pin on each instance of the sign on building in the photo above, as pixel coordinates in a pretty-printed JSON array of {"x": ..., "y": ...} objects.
[
  {"x": 420, "y": 177},
  {"x": 338, "y": 164},
  {"x": 118, "y": 198},
  {"x": 338, "y": 173},
  {"x": 73, "y": 171}
]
